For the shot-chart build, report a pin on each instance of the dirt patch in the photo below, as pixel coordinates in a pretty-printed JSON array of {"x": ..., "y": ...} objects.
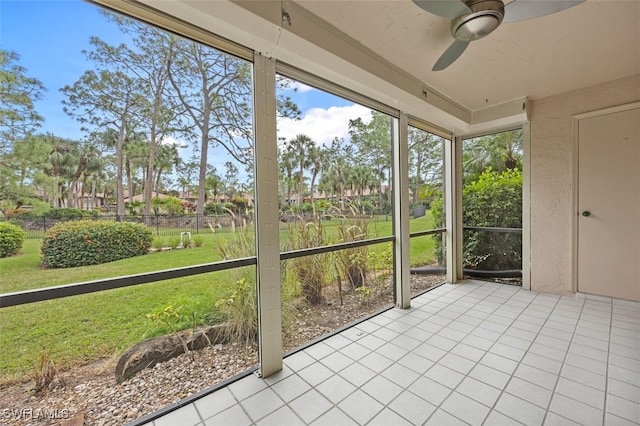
[{"x": 90, "y": 395}]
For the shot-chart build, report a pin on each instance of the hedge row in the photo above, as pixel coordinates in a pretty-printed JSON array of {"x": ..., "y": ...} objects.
[
  {"x": 92, "y": 242},
  {"x": 57, "y": 213}
]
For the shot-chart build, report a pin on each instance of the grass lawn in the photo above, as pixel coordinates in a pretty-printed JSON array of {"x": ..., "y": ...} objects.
[
  {"x": 24, "y": 272},
  {"x": 79, "y": 329}
]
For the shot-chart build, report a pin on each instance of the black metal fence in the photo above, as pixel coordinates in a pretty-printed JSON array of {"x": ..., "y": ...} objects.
[
  {"x": 165, "y": 225},
  {"x": 35, "y": 227}
]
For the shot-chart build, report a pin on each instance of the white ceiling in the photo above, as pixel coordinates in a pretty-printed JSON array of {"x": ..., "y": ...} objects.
[{"x": 596, "y": 41}]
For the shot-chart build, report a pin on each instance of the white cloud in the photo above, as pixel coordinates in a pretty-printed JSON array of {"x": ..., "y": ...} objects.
[
  {"x": 323, "y": 125},
  {"x": 170, "y": 140}
]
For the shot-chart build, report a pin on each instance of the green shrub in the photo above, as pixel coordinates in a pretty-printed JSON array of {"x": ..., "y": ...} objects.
[
  {"x": 66, "y": 213},
  {"x": 198, "y": 241},
  {"x": 11, "y": 239},
  {"x": 31, "y": 207},
  {"x": 215, "y": 209},
  {"x": 492, "y": 200},
  {"x": 57, "y": 213},
  {"x": 169, "y": 205},
  {"x": 85, "y": 242}
]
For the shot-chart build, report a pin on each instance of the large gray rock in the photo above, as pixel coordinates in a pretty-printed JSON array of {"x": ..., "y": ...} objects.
[{"x": 159, "y": 349}]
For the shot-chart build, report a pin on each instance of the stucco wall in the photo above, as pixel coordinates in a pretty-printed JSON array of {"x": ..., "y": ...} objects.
[{"x": 552, "y": 163}]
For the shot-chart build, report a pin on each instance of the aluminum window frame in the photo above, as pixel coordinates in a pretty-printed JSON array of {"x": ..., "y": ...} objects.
[
  {"x": 525, "y": 231},
  {"x": 447, "y": 137}
]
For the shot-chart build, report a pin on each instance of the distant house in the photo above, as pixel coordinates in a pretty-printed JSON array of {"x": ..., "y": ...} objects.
[
  {"x": 140, "y": 198},
  {"x": 348, "y": 195},
  {"x": 190, "y": 196}
]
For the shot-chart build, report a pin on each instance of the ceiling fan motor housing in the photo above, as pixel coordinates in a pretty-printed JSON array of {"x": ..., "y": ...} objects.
[{"x": 485, "y": 16}]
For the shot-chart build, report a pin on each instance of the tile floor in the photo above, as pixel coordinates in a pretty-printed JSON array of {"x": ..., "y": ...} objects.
[{"x": 476, "y": 353}]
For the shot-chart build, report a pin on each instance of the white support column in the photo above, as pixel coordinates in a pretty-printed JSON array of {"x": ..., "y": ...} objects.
[
  {"x": 458, "y": 204},
  {"x": 400, "y": 147},
  {"x": 526, "y": 206},
  {"x": 453, "y": 208},
  {"x": 266, "y": 205}
]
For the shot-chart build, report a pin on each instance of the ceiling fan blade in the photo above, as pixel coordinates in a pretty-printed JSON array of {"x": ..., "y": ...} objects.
[
  {"x": 449, "y": 9},
  {"x": 520, "y": 10},
  {"x": 450, "y": 55}
]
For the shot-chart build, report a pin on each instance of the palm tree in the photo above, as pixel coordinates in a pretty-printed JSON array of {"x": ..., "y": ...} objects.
[
  {"x": 329, "y": 182},
  {"x": 167, "y": 158},
  {"x": 185, "y": 185},
  {"x": 136, "y": 151},
  {"x": 230, "y": 179},
  {"x": 340, "y": 158},
  {"x": 213, "y": 183},
  {"x": 316, "y": 157},
  {"x": 61, "y": 160},
  {"x": 96, "y": 179},
  {"x": 500, "y": 151},
  {"x": 362, "y": 177},
  {"x": 300, "y": 147},
  {"x": 286, "y": 162},
  {"x": 89, "y": 162},
  {"x": 372, "y": 141}
]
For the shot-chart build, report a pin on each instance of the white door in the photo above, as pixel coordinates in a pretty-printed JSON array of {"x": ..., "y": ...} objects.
[{"x": 609, "y": 204}]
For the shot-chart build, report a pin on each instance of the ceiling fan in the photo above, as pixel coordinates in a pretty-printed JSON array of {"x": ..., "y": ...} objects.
[{"x": 473, "y": 19}]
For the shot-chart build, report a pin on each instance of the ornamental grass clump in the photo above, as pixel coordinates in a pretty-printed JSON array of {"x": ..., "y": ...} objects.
[
  {"x": 310, "y": 271},
  {"x": 354, "y": 262},
  {"x": 239, "y": 305},
  {"x": 89, "y": 242}
]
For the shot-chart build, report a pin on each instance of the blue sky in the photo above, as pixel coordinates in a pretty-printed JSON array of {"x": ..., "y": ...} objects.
[{"x": 49, "y": 36}]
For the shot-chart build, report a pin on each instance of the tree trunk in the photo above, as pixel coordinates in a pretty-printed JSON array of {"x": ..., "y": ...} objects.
[
  {"x": 157, "y": 181},
  {"x": 312, "y": 184},
  {"x": 149, "y": 178},
  {"x": 418, "y": 180},
  {"x": 300, "y": 183},
  {"x": 119, "y": 160},
  {"x": 202, "y": 173},
  {"x": 93, "y": 194},
  {"x": 84, "y": 204}
]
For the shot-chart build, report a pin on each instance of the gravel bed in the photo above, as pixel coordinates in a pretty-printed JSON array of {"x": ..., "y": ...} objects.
[{"x": 89, "y": 394}]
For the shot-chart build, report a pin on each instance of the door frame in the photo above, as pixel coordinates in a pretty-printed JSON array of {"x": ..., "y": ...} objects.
[{"x": 575, "y": 122}]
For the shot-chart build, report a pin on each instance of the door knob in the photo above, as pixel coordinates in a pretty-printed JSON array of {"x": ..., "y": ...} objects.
[{"x": 586, "y": 213}]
